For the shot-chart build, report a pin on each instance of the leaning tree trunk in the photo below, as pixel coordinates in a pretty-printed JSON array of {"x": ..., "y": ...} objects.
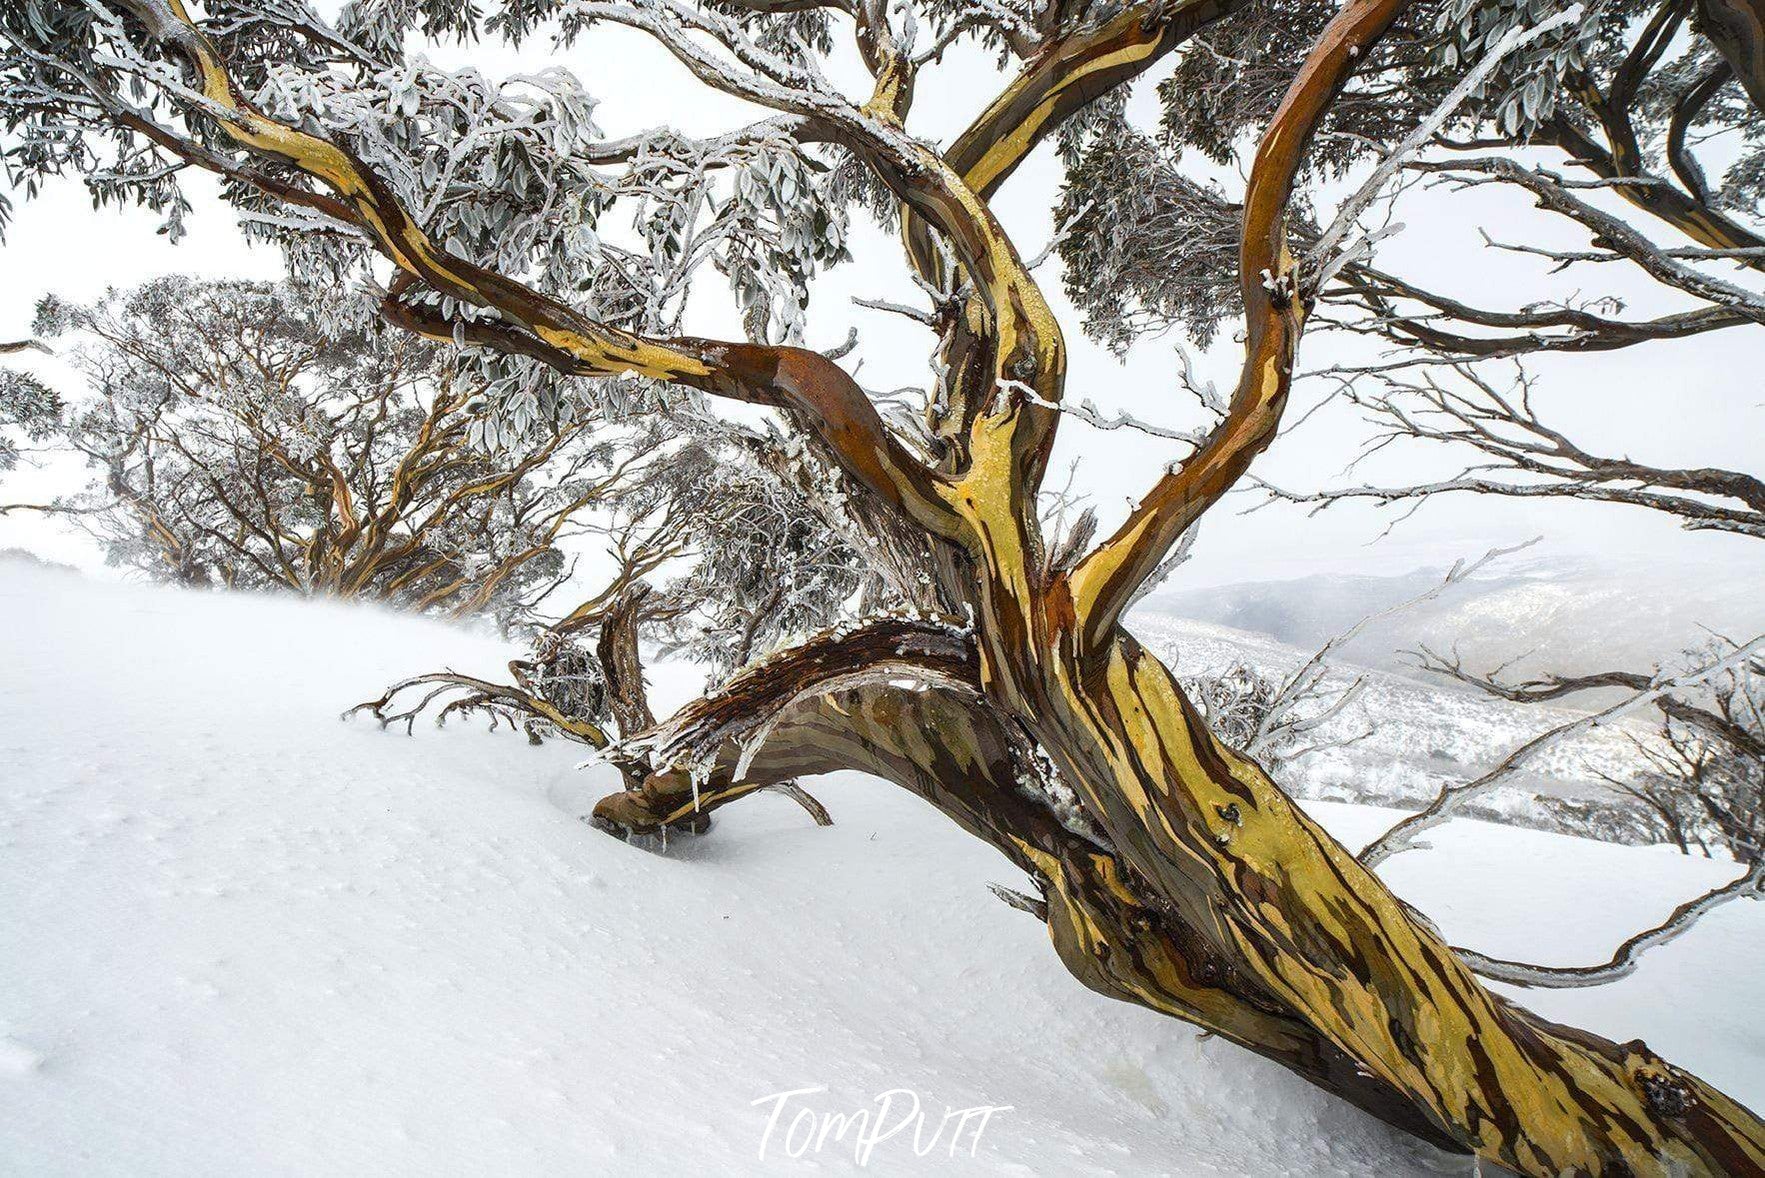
[
  {"x": 1175, "y": 874},
  {"x": 838, "y": 703},
  {"x": 1202, "y": 892},
  {"x": 1261, "y": 885}
]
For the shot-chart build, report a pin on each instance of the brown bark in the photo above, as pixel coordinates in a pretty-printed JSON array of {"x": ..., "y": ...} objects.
[
  {"x": 943, "y": 741},
  {"x": 1737, "y": 29},
  {"x": 1061, "y": 79},
  {"x": 1271, "y": 893},
  {"x": 616, "y": 648},
  {"x": 1249, "y": 948},
  {"x": 1182, "y": 879},
  {"x": 1702, "y": 223}
]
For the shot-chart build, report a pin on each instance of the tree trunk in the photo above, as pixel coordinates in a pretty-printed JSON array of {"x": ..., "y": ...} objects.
[
  {"x": 836, "y": 704},
  {"x": 1264, "y": 888},
  {"x": 1206, "y": 894},
  {"x": 616, "y": 649}
]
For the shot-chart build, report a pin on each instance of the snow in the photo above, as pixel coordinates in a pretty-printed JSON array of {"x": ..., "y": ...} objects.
[
  {"x": 1451, "y": 734},
  {"x": 1543, "y": 613},
  {"x": 240, "y": 936}
]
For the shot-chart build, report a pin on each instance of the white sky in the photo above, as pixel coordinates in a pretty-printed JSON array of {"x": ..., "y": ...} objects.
[{"x": 1690, "y": 402}]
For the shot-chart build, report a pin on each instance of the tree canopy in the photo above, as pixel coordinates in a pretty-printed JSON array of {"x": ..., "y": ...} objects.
[{"x": 982, "y": 661}]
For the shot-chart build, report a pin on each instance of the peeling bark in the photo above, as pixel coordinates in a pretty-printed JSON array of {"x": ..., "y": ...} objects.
[
  {"x": 1176, "y": 874},
  {"x": 1206, "y": 896},
  {"x": 919, "y": 720},
  {"x": 616, "y": 648}
]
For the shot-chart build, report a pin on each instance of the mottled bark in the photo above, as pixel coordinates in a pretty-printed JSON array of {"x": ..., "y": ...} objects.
[
  {"x": 1176, "y": 874},
  {"x": 1737, "y": 29},
  {"x": 903, "y": 701},
  {"x": 616, "y": 648},
  {"x": 1203, "y": 894},
  {"x": 1271, "y": 893}
]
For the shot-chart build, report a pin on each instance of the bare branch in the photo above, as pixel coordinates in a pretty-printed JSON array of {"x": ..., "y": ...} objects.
[
  {"x": 1325, "y": 257},
  {"x": 1519, "y": 454},
  {"x": 1452, "y": 797},
  {"x": 1750, "y": 885}
]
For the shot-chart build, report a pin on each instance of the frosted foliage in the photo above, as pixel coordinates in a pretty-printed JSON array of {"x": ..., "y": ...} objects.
[
  {"x": 276, "y": 436},
  {"x": 767, "y": 570},
  {"x": 513, "y": 173},
  {"x": 1702, "y": 784},
  {"x": 1610, "y": 81},
  {"x": 29, "y": 411}
]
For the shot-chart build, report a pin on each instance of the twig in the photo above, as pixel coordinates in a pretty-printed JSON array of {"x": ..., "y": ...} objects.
[
  {"x": 1451, "y": 798},
  {"x": 1750, "y": 886}
]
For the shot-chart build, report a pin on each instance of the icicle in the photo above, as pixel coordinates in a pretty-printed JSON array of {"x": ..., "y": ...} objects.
[{"x": 749, "y": 747}]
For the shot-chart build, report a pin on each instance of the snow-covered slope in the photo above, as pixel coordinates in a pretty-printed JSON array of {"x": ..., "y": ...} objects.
[
  {"x": 1448, "y": 734},
  {"x": 240, "y": 937}
]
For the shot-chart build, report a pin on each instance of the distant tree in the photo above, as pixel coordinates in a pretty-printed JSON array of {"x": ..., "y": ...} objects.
[
  {"x": 1706, "y": 772},
  {"x": 265, "y": 435},
  {"x": 994, "y": 677},
  {"x": 29, "y": 409},
  {"x": 767, "y": 569}
]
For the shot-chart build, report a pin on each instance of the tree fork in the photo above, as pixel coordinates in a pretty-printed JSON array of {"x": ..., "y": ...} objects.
[{"x": 1281, "y": 918}]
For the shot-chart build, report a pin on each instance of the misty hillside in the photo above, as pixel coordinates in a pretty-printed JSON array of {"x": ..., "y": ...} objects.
[
  {"x": 1553, "y": 615},
  {"x": 1404, "y": 737}
]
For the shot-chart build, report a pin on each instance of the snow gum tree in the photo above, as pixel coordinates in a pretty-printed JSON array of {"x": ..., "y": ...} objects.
[
  {"x": 275, "y": 436},
  {"x": 1001, "y": 685},
  {"x": 29, "y": 409}
]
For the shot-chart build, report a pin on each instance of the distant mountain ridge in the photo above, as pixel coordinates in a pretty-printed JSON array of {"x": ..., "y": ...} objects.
[{"x": 1567, "y": 617}]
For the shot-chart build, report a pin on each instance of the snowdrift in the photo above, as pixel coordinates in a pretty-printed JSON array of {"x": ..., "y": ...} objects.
[{"x": 239, "y": 936}]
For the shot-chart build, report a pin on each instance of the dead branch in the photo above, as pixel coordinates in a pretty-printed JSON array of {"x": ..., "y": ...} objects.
[
  {"x": 1750, "y": 885},
  {"x": 1401, "y": 837}
]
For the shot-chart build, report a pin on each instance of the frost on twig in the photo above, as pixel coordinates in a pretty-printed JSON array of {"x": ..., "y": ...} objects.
[
  {"x": 1021, "y": 901},
  {"x": 1329, "y": 255},
  {"x": 1749, "y": 885},
  {"x": 1453, "y": 796}
]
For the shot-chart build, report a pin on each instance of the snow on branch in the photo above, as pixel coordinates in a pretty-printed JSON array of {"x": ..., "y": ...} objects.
[
  {"x": 1453, "y": 797},
  {"x": 745, "y": 711},
  {"x": 1553, "y": 194},
  {"x": 1749, "y": 885},
  {"x": 1329, "y": 255},
  {"x": 1517, "y": 453},
  {"x": 1086, "y": 411}
]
